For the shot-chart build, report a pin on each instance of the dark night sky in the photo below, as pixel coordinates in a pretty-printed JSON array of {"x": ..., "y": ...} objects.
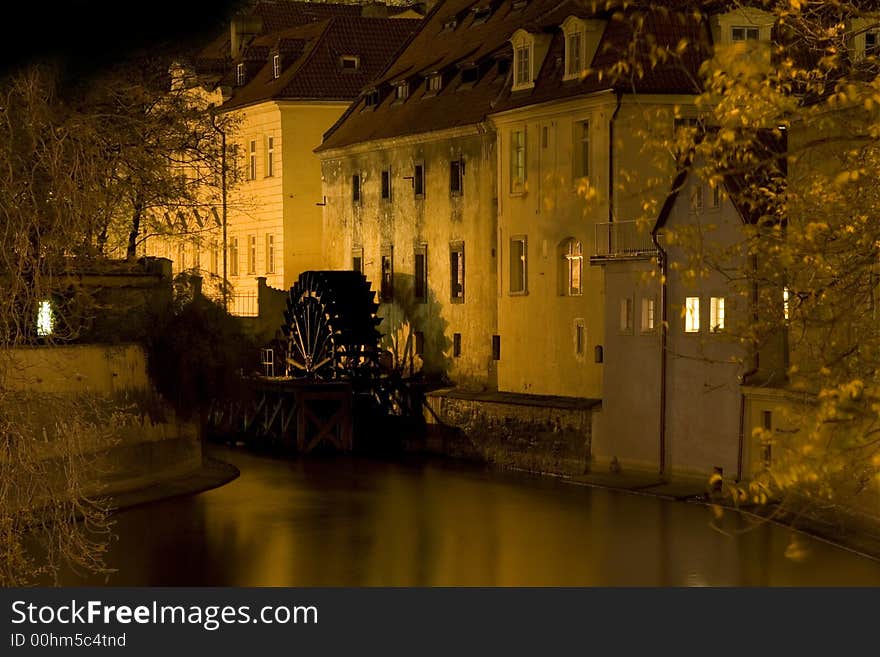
[{"x": 87, "y": 33}]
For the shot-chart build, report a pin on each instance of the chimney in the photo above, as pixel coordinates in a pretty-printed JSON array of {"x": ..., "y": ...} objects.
[{"x": 241, "y": 30}]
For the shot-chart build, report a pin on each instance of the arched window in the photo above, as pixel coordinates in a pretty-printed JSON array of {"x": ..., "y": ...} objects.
[{"x": 571, "y": 267}]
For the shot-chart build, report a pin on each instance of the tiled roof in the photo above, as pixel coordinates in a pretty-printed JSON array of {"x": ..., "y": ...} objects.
[
  {"x": 438, "y": 47},
  {"x": 310, "y": 38}
]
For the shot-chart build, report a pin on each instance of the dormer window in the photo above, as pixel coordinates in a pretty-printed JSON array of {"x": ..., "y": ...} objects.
[
  {"x": 239, "y": 75},
  {"x": 744, "y": 33},
  {"x": 349, "y": 62},
  {"x": 523, "y": 58},
  {"x": 529, "y": 51},
  {"x": 433, "y": 84},
  {"x": 519, "y": 5},
  {"x": 470, "y": 73},
  {"x": 450, "y": 24},
  {"x": 276, "y": 66},
  {"x": 481, "y": 14},
  {"x": 371, "y": 98},
  {"x": 872, "y": 43},
  {"x": 577, "y": 50},
  {"x": 401, "y": 91}
]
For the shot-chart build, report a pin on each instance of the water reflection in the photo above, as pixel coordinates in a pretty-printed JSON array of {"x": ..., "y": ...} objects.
[{"x": 347, "y": 522}]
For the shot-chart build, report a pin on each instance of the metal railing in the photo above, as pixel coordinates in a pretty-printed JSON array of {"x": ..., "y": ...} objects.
[
  {"x": 244, "y": 304},
  {"x": 622, "y": 239}
]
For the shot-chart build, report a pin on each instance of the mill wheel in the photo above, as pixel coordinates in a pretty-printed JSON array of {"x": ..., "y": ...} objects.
[{"x": 330, "y": 324}]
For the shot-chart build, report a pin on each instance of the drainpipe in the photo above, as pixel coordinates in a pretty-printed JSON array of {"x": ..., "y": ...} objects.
[
  {"x": 611, "y": 163},
  {"x": 745, "y": 376},
  {"x": 664, "y": 330}
]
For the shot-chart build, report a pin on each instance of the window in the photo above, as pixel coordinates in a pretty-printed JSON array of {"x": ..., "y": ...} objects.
[
  {"x": 456, "y": 345},
  {"x": 433, "y": 84},
  {"x": 481, "y": 14},
  {"x": 574, "y": 54},
  {"x": 743, "y": 33},
  {"x": 181, "y": 257},
  {"x": 276, "y": 66},
  {"x": 626, "y": 315},
  {"x": 545, "y": 136},
  {"x": 386, "y": 292},
  {"x": 349, "y": 62},
  {"x": 270, "y": 156},
  {"x": 252, "y": 160},
  {"x": 45, "y": 319},
  {"x": 522, "y": 66},
  {"x": 456, "y": 271},
  {"x": 470, "y": 74},
  {"x": 197, "y": 255},
  {"x": 872, "y": 43},
  {"x": 696, "y": 196},
  {"x": 386, "y": 184},
  {"x": 233, "y": 257},
  {"x": 252, "y": 254},
  {"x": 401, "y": 91},
  {"x": 580, "y": 338},
  {"x": 419, "y": 180},
  {"x": 239, "y": 75},
  {"x": 716, "y": 197},
  {"x": 647, "y": 315},
  {"x": 419, "y": 343},
  {"x": 518, "y": 265},
  {"x": 692, "y": 315},
  {"x": 581, "y": 149},
  {"x": 357, "y": 259},
  {"x": 420, "y": 284},
  {"x": 716, "y": 314},
  {"x": 371, "y": 99},
  {"x": 356, "y": 188},
  {"x": 215, "y": 258},
  {"x": 270, "y": 254},
  {"x": 517, "y": 161},
  {"x": 785, "y": 303},
  {"x": 572, "y": 268},
  {"x": 496, "y": 347},
  {"x": 456, "y": 177}
]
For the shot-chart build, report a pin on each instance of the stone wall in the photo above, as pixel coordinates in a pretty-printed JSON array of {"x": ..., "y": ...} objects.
[{"x": 536, "y": 433}]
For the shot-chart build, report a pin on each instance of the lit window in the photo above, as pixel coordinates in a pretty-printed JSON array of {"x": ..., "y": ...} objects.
[
  {"x": 419, "y": 180},
  {"x": 456, "y": 272},
  {"x": 433, "y": 84},
  {"x": 456, "y": 177},
  {"x": 270, "y": 156},
  {"x": 356, "y": 188},
  {"x": 518, "y": 265},
  {"x": 574, "y": 54},
  {"x": 270, "y": 254},
  {"x": 692, "y": 315},
  {"x": 402, "y": 91},
  {"x": 420, "y": 288},
  {"x": 582, "y": 149},
  {"x": 386, "y": 185},
  {"x": 785, "y": 303},
  {"x": 252, "y": 160},
  {"x": 742, "y": 33},
  {"x": 523, "y": 66},
  {"x": 276, "y": 66},
  {"x": 716, "y": 314},
  {"x": 233, "y": 257},
  {"x": 573, "y": 266},
  {"x": 252, "y": 254},
  {"x": 386, "y": 291},
  {"x": 239, "y": 75},
  {"x": 45, "y": 319},
  {"x": 626, "y": 314},
  {"x": 647, "y": 314},
  {"x": 517, "y": 160}
]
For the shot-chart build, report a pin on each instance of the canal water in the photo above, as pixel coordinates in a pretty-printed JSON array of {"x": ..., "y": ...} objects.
[{"x": 355, "y": 522}]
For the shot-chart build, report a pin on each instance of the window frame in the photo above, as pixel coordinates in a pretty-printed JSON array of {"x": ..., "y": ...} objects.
[
  {"x": 270, "y": 156},
  {"x": 456, "y": 177},
  {"x": 385, "y": 185},
  {"x": 232, "y": 264},
  {"x": 648, "y": 319},
  {"x": 357, "y": 257},
  {"x": 457, "y": 272},
  {"x": 386, "y": 286},
  {"x": 523, "y": 278},
  {"x": 252, "y": 159},
  {"x": 571, "y": 256},
  {"x": 356, "y": 191},
  {"x": 518, "y": 146},
  {"x": 627, "y": 315},
  {"x": 252, "y": 254},
  {"x": 692, "y": 315},
  {"x": 717, "y": 315},
  {"x": 270, "y": 253},
  {"x": 420, "y": 279},
  {"x": 419, "y": 179},
  {"x": 276, "y": 66}
]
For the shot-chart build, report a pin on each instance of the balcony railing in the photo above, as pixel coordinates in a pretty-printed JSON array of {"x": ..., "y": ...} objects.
[{"x": 622, "y": 239}]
